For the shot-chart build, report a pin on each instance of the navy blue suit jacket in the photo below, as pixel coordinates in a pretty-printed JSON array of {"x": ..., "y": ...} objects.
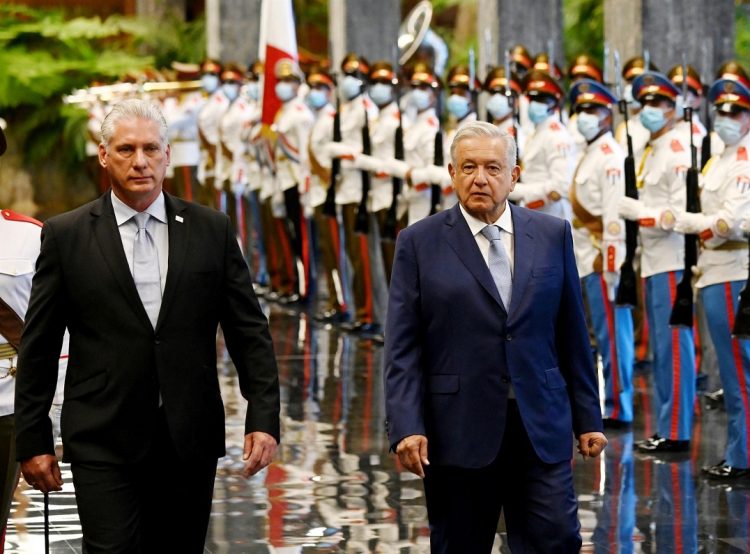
[{"x": 451, "y": 349}]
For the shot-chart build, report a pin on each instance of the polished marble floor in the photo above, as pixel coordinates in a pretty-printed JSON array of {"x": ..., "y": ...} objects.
[{"x": 335, "y": 488}]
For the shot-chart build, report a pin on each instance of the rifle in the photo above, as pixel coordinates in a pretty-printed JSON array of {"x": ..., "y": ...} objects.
[
  {"x": 329, "y": 206},
  {"x": 682, "y": 309},
  {"x": 706, "y": 144},
  {"x": 627, "y": 294},
  {"x": 435, "y": 189},
  {"x": 389, "y": 226},
  {"x": 362, "y": 223},
  {"x": 511, "y": 101},
  {"x": 741, "y": 328}
]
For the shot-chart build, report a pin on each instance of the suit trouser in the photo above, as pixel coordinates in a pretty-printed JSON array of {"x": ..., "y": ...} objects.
[
  {"x": 358, "y": 253},
  {"x": 674, "y": 360},
  {"x": 613, "y": 331},
  {"x": 541, "y": 513},
  {"x": 279, "y": 260},
  {"x": 720, "y": 303},
  {"x": 8, "y": 468},
  {"x": 327, "y": 232},
  {"x": 159, "y": 504}
]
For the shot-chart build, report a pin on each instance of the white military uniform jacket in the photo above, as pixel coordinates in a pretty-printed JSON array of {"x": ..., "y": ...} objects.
[
  {"x": 19, "y": 249},
  {"x": 725, "y": 199},
  {"x": 292, "y": 126},
  {"x": 352, "y": 121},
  {"x": 638, "y": 134},
  {"x": 516, "y": 131},
  {"x": 209, "y": 119},
  {"x": 383, "y": 140},
  {"x": 662, "y": 172},
  {"x": 241, "y": 115},
  {"x": 182, "y": 128},
  {"x": 547, "y": 168},
  {"x": 598, "y": 183},
  {"x": 419, "y": 151},
  {"x": 320, "y": 162}
]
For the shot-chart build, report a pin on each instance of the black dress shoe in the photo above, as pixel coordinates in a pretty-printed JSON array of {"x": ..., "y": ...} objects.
[
  {"x": 652, "y": 438},
  {"x": 662, "y": 445},
  {"x": 610, "y": 423},
  {"x": 715, "y": 399},
  {"x": 723, "y": 472},
  {"x": 289, "y": 299},
  {"x": 327, "y": 315},
  {"x": 272, "y": 296},
  {"x": 352, "y": 326}
]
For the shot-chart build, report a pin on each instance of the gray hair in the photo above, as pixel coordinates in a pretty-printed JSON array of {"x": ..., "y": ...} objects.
[
  {"x": 133, "y": 108},
  {"x": 475, "y": 129}
]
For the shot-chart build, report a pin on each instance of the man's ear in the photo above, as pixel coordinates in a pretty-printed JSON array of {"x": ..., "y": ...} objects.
[
  {"x": 452, "y": 170},
  {"x": 102, "y": 155},
  {"x": 515, "y": 174}
]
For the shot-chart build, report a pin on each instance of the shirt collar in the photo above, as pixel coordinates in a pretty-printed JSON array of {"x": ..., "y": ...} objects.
[
  {"x": 123, "y": 212},
  {"x": 505, "y": 221}
]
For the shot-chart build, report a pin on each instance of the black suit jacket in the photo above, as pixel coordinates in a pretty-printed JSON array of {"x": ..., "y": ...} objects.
[{"x": 118, "y": 362}]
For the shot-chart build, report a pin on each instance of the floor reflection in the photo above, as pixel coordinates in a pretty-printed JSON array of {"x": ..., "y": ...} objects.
[{"x": 335, "y": 488}]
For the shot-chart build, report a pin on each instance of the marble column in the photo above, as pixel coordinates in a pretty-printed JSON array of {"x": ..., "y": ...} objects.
[
  {"x": 365, "y": 27},
  {"x": 233, "y": 30}
]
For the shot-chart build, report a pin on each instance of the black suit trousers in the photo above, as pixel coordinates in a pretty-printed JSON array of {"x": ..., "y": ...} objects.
[
  {"x": 158, "y": 504},
  {"x": 538, "y": 500}
]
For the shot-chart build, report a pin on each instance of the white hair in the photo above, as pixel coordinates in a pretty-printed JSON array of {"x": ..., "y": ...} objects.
[
  {"x": 133, "y": 108},
  {"x": 475, "y": 129}
]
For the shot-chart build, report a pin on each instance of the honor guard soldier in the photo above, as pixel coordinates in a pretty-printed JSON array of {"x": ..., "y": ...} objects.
[
  {"x": 209, "y": 119},
  {"x": 583, "y": 67},
  {"x": 695, "y": 95},
  {"x": 638, "y": 133},
  {"x": 547, "y": 160},
  {"x": 231, "y": 148},
  {"x": 181, "y": 112},
  {"x": 503, "y": 101},
  {"x": 356, "y": 112},
  {"x": 599, "y": 242},
  {"x": 19, "y": 249},
  {"x": 292, "y": 125},
  {"x": 521, "y": 62},
  {"x": 723, "y": 264},
  {"x": 383, "y": 135},
  {"x": 322, "y": 89},
  {"x": 661, "y": 176}
]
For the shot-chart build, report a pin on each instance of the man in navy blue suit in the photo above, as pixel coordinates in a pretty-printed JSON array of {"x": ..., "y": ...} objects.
[{"x": 489, "y": 372}]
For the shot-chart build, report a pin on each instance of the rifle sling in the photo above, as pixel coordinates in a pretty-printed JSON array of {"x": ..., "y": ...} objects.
[{"x": 11, "y": 325}]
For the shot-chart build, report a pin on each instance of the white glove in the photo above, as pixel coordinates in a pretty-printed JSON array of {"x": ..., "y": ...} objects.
[
  {"x": 690, "y": 224},
  {"x": 340, "y": 150},
  {"x": 218, "y": 184},
  {"x": 516, "y": 194},
  {"x": 534, "y": 194},
  {"x": 439, "y": 175},
  {"x": 745, "y": 226},
  {"x": 394, "y": 167},
  {"x": 367, "y": 163},
  {"x": 611, "y": 278},
  {"x": 630, "y": 208},
  {"x": 420, "y": 175}
]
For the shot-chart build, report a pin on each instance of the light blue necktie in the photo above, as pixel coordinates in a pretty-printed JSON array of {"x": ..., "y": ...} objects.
[
  {"x": 146, "y": 268},
  {"x": 499, "y": 264}
]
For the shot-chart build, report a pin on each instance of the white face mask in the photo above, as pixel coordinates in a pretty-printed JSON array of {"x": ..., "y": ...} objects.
[
  {"x": 210, "y": 82},
  {"x": 498, "y": 105},
  {"x": 231, "y": 90},
  {"x": 589, "y": 125},
  {"x": 284, "y": 91},
  {"x": 538, "y": 112},
  {"x": 351, "y": 87},
  {"x": 422, "y": 98},
  {"x": 729, "y": 130},
  {"x": 252, "y": 90}
]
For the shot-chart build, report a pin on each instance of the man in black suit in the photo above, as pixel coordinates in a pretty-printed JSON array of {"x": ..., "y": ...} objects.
[{"x": 141, "y": 280}]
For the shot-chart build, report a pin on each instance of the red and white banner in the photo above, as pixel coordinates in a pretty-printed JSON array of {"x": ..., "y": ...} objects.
[{"x": 278, "y": 41}]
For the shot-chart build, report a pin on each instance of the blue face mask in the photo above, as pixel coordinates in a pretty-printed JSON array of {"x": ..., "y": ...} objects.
[
  {"x": 284, "y": 91},
  {"x": 729, "y": 130},
  {"x": 588, "y": 125},
  {"x": 381, "y": 94},
  {"x": 351, "y": 87},
  {"x": 538, "y": 112},
  {"x": 422, "y": 99},
  {"x": 210, "y": 82},
  {"x": 458, "y": 106},
  {"x": 316, "y": 99},
  {"x": 652, "y": 118},
  {"x": 231, "y": 90},
  {"x": 252, "y": 90},
  {"x": 498, "y": 106}
]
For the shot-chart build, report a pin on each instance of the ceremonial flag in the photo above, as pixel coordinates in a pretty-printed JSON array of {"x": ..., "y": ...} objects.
[{"x": 278, "y": 41}]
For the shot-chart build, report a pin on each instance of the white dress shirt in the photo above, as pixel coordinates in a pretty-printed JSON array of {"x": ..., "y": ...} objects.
[{"x": 505, "y": 222}]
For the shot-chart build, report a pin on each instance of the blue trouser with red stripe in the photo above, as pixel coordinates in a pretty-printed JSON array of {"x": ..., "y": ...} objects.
[
  {"x": 674, "y": 360},
  {"x": 733, "y": 355},
  {"x": 613, "y": 331}
]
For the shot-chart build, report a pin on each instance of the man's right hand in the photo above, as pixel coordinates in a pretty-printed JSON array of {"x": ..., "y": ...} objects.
[
  {"x": 42, "y": 473},
  {"x": 412, "y": 453}
]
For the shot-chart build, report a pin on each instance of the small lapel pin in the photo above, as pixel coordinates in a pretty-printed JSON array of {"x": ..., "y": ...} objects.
[{"x": 178, "y": 219}]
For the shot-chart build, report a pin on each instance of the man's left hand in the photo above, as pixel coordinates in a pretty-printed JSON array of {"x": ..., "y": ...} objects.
[
  {"x": 260, "y": 448},
  {"x": 590, "y": 445}
]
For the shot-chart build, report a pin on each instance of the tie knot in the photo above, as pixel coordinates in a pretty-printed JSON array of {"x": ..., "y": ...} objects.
[
  {"x": 491, "y": 232},
  {"x": 141, "y": 219}
]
